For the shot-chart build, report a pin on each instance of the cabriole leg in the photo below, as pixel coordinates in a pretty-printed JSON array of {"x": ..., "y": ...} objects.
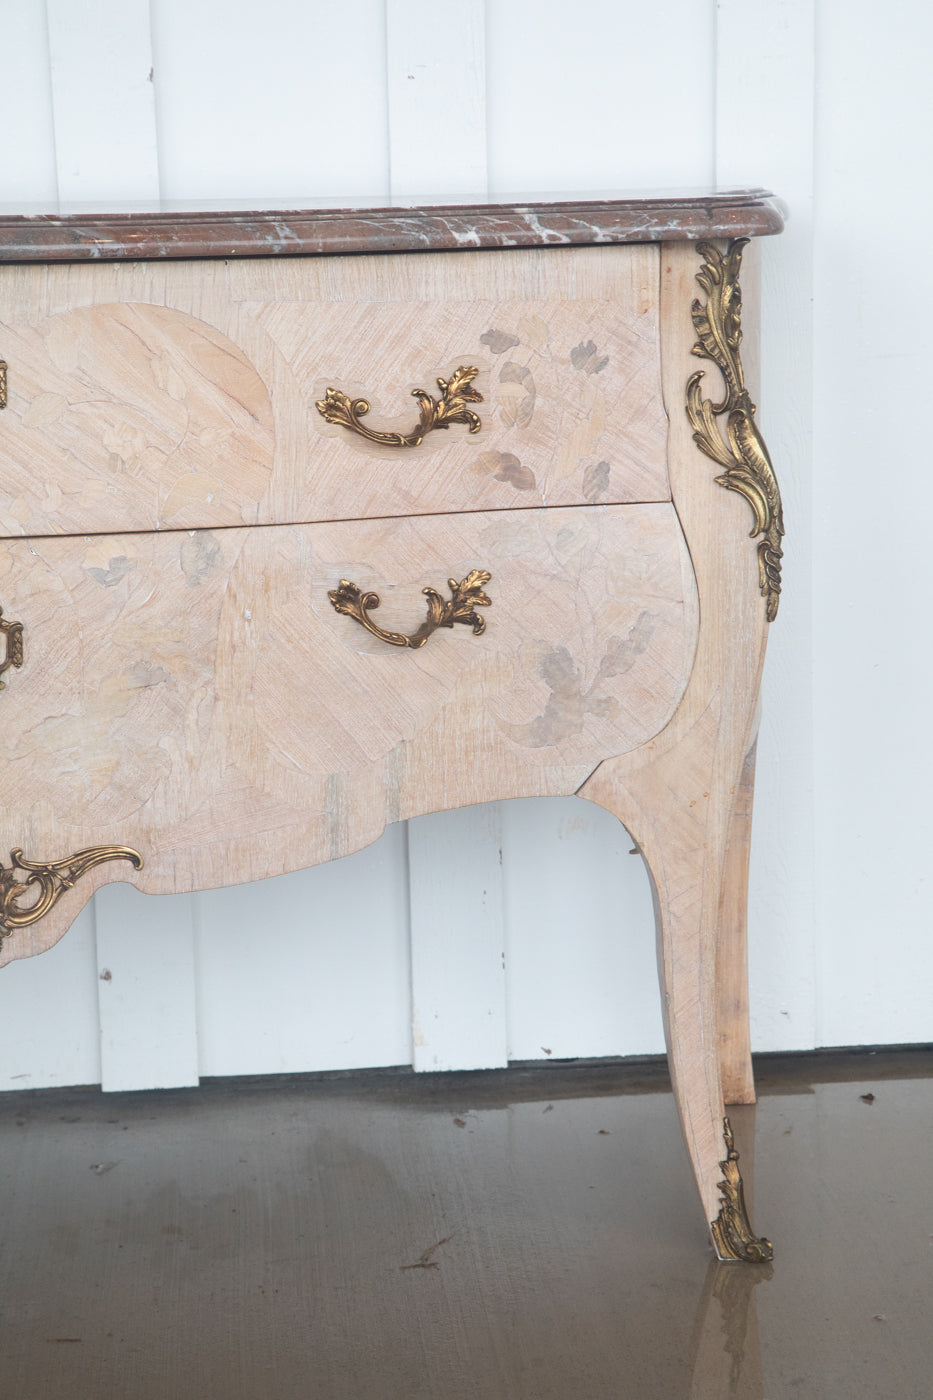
[
  {"x": 735, "y": 1052},
  {"x": 678, "y": 806}
]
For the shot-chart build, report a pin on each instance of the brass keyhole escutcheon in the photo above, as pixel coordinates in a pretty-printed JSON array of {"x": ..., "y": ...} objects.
[{"x": 13, "y": 646}]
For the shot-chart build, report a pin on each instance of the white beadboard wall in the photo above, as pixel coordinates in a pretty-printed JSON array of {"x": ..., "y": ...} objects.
[{"x": 542, "y": 944}]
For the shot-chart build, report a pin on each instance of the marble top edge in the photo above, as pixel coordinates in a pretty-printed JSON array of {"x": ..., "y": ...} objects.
[
  {"x": 341, "y": 226},
  {"x": 376, "y": 203}
]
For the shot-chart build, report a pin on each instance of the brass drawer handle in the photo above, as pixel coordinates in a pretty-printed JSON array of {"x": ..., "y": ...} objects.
[
  {"x": 51, "y": 878},
  {"x": 465, "y": 597},
  {"x": 451, "y": 407},
  {"x": 13, "y": 656}
]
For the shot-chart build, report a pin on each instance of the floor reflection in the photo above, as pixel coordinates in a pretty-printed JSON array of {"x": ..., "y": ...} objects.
[
  {"x": 726, "y": 1349},
  {"x": 257, "y": 1239}
]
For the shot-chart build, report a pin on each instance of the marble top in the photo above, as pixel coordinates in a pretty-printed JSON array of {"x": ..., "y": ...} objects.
[{"x": 322, "y": 228}]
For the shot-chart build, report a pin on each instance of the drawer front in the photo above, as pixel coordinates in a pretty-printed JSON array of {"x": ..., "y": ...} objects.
[
  {"x": 196, "y": 696},
  {"x": 147, "y": 396}
]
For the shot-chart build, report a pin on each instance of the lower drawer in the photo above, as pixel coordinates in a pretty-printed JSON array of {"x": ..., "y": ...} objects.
[{"x": 196, "y": 696}]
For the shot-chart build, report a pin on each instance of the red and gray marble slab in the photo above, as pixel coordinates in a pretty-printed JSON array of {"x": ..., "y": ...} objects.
[{"x": 188, "y": 232}]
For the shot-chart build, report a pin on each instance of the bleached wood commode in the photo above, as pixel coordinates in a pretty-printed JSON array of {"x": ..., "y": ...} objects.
[{"x": 317, "y": 521}]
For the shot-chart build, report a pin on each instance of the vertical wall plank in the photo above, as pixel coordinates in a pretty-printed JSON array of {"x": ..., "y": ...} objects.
[
  {"x": 308, "y": 971},
  {"x": 145, "y": 955},
  {"x": 436, "y": 71},
  {"x": 102, "y": 97},
  {"x": 873, "y": 500},
  {"x": 49, "y": 1025},
  {"x": 458, "y": 958},
  {"x": 27, "y": 170},
  {"x": 765, "y": 95},
  {"x": 580, "y": 945},
  {"x": 600, "y": 94},
  {"x": 272, "y": 104}
]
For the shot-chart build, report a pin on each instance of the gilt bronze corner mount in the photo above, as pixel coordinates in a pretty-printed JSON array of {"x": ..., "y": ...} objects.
[
  {"x": 731, "y": 1230},
  {"x": 745, "y": 457}
]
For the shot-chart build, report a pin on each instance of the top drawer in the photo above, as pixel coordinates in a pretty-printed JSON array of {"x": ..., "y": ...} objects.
[{"x": 183, "y": 395}]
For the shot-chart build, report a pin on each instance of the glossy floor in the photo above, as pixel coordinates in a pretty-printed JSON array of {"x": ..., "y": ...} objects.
[{"x": 520, "y": 1235}]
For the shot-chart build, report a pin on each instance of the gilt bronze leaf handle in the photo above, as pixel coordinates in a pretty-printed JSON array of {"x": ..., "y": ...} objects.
[
  {"x": 13, "y": 639},
  {"x": 466, "y": 597},
  {"x": 456, "y": 393},
  {"x": 48, "y": 880}
]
